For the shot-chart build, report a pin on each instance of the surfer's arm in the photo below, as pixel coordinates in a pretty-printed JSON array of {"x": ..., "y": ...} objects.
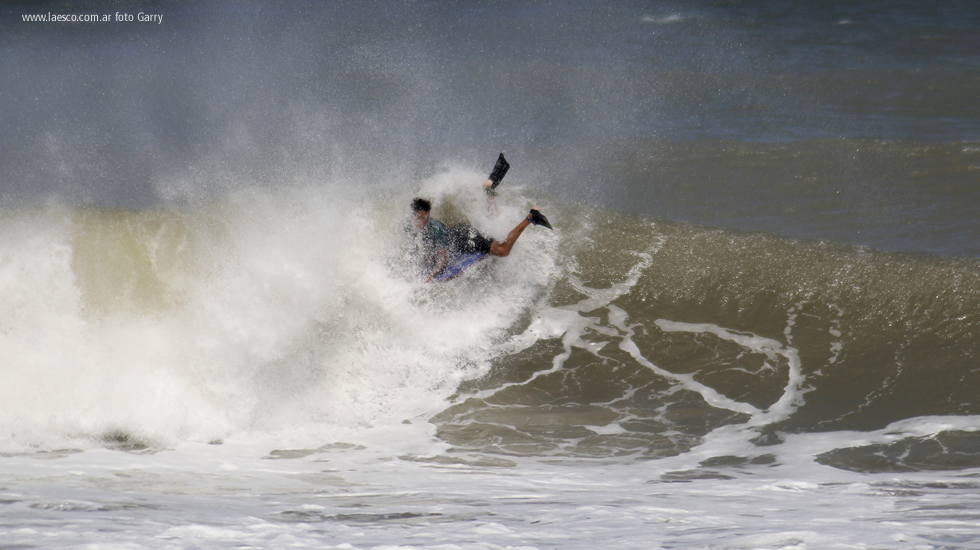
[{"x": 442, "y": 258}]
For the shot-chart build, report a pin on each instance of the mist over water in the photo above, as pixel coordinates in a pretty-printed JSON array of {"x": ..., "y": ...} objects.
[
  {"x": 264, "y": 311},
  {"x": 862, "y": 114},
  {"x": 762, "y": 286}
]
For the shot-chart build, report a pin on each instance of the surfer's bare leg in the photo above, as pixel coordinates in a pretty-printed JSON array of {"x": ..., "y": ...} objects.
[
  {"x": 496, "y": 176},
  {"x": 502, "y": 248},
  {"x": 491, "y": 195}
]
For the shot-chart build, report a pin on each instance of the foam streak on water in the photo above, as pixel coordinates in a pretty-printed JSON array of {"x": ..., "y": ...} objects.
[{"x": 349, "y": 497}]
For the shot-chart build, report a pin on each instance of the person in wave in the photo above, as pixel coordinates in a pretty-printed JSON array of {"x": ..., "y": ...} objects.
[{"x": 439, "y": 245}]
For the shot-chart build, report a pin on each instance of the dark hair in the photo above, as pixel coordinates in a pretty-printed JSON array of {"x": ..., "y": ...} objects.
[{"x": 421, "y": 205}]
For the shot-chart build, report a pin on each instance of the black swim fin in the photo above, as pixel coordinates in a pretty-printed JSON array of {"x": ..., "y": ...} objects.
[
  {"x": 499, "y": 171},
  {"x": 537, "y": 218}
]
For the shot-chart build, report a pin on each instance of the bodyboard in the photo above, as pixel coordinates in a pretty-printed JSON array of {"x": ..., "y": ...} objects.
[{"x": 457, "y": 265}]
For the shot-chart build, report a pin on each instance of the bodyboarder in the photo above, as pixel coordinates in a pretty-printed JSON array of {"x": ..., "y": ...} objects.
[{"x": 439, "y": 245}]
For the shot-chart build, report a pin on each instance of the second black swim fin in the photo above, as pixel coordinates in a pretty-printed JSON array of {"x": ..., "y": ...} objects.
[
  {"x": 499, "y": 171},
  {"x": 537, "y": 218}
]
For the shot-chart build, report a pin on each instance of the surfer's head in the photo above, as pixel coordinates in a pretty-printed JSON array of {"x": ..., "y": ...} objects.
[
  {"x": 421, "y": 205},
  {"x": 421, "y": 209}
]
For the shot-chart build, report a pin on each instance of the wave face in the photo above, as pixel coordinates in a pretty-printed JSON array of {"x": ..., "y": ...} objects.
[
  {"x": 647, "y": 347},
  {"x": 296, "y": 314}
]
